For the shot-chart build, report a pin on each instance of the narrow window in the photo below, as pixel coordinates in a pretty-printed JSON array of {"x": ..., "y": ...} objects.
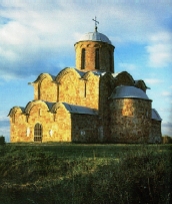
[
  {"x": 97, "y": 64},
  {"x": 40, "y": 112},
  {"x": 58, "y": 91},
  {"x": 83, "y": 59}
]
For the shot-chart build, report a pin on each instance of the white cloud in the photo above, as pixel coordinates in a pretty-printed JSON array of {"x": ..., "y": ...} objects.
[
  {"x": 127, "y": 66},
  {"x": 167, "y": 128},
  {"x": 3, "y": 118},
  {"x": 160, "y": 49},
  {"x": 166, "y": 94},
  {"x": 35, "y": 35},
  {"x": 152, "y": 81}
]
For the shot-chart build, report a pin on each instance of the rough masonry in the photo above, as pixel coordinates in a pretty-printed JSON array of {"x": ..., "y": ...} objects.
[{"x": 89, "y": 103}]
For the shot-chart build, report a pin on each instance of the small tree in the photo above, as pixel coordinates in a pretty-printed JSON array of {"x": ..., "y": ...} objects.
[
  {"x": 2, "y": 140},
  {"x": 167, "y": 139}
]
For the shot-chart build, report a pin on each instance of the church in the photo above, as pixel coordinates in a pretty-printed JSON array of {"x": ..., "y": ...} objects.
[{"x": 90, "y": 103}]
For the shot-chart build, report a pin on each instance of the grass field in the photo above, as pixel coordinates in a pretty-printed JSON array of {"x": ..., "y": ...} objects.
[{"x": 85, "y": 173}]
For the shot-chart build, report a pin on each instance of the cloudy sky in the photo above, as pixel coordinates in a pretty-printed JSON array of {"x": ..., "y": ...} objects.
[{"x": 38, "y": 36}]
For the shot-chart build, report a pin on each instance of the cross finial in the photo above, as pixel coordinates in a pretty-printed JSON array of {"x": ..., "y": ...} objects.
[{"x": 96, "y": 22}]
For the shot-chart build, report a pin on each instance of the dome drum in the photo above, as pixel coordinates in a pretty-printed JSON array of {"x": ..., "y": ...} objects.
[{"x": 94, "y": 55}]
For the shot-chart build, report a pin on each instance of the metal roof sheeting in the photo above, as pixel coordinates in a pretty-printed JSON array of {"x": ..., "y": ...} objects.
[
  {"x": 95, "y": 36},
  {"x": 80, "y": 109},
  {"x": 97, "y": 72},
  {"x": 155, "y": 115},
  {"x": 128, "y": 92}
]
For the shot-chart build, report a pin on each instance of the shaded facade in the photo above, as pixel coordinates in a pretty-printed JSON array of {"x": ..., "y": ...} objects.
[{"x": 89, "y": 103}]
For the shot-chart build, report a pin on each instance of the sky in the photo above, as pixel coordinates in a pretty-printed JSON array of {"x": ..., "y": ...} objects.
[{"x": 38, "y": 36}]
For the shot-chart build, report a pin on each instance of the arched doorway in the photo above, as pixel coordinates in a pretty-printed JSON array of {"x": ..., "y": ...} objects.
[{"x": 38, "y": 133}]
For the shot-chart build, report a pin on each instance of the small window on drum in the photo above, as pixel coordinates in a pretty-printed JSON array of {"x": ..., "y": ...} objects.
[
  {"x": 97, "y": 63},
  {"x": 83, "y": 59}
]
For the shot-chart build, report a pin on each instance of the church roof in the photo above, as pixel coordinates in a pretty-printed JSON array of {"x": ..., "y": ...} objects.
[
  {"x": 80, "y": 109},
  {"x": 95, "y": 36},
  {"x": 53, "y": 106},
  {"x": 73, "y": 108},
  {"x": 155, "y": 115},
  {"x": 96, "y": 72},
  {"x": 14, "y": 110},
  {"x": 128, "y": 92}
]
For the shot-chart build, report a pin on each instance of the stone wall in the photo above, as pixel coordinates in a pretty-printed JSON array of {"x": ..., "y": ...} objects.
[
  {"x": 155, "y": 136},
  {"x": 106, "y": 55},
  {"x": 18, "y": 126},
  {"x": 45, "y": 88},
  {"x": 58, "y": 124},
  {"x": 48, "y": 90},
  {"x": 84, "y": 128},
  {"x": 55, "y": 126},
  {"x": 105, "y": 89},
  {"x": 130, "y": 120},
  {"x": 69, "y": 87}
]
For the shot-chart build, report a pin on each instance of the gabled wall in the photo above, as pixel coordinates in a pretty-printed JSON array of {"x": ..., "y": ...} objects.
[
  {"x": 45, "y": 88},
  {"x": 18, "y": 125},
  {"x": 68, "y": 86},
  {"x": 55, "y": 126},
  {"x": 77, "y": 90}
]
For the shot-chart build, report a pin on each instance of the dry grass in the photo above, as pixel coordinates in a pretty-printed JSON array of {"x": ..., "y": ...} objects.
[{"x": 80, "y": 173}]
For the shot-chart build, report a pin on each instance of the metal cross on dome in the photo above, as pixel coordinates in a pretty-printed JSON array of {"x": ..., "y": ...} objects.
[{"x": 96, "y": 22}]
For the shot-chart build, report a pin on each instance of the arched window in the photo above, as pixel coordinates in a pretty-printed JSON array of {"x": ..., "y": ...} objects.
[
  {"x": 83, "y": 59},
  {"x": 97, "y": 64},
  {"x": 38, "y": 133}
]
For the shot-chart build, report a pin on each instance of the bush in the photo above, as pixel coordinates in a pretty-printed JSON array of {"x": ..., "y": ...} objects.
[
  {"x": 166, "y": 139},
  {"x": 2, "y": 140}
]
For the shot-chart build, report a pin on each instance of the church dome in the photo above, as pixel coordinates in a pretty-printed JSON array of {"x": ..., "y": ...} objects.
[
  {"x": 128, "y": 92},
  {"x": 95, "y": 36},
  {"x": 94, "y": 51}
]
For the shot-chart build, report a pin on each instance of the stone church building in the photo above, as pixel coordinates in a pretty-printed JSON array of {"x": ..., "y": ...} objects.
[{"x": 89, "y": 103}]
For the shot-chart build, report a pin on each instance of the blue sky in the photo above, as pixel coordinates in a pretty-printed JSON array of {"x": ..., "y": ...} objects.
[{"x": 38, "y": 36}]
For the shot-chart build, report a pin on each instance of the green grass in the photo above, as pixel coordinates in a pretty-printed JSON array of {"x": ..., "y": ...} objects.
[{"x": 81, "y": 173}]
